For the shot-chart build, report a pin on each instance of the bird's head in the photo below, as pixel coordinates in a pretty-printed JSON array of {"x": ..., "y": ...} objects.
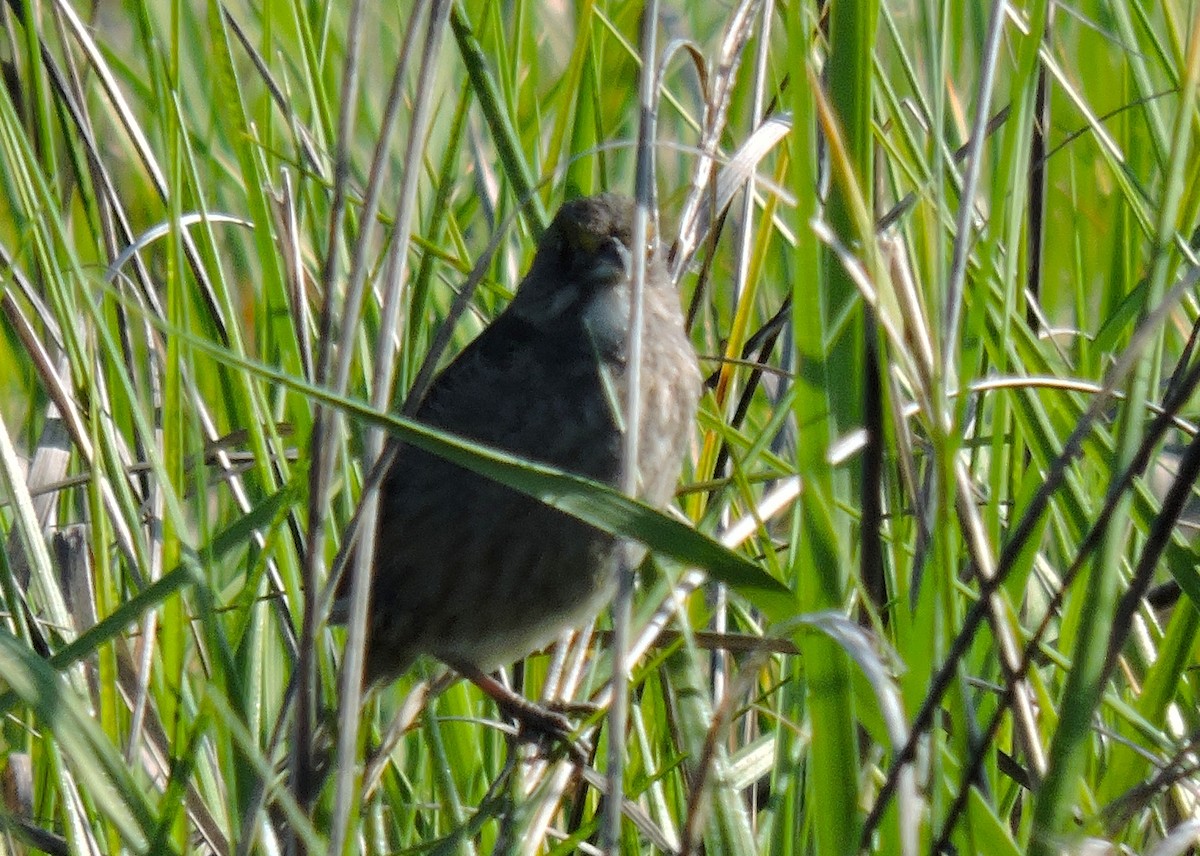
[{"x": 582, "y": 266}]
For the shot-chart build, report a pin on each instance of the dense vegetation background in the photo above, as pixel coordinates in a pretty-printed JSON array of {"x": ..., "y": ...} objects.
[{"x": 937, "y": 257}]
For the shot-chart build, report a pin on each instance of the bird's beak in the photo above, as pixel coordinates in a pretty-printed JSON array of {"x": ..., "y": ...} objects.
[{"x": 614, "y": 262}]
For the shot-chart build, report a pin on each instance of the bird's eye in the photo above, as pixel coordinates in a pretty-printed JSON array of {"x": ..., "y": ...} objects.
[{"x": 587, "y": 242}]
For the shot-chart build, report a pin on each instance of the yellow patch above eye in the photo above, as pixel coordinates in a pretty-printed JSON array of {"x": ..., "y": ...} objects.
[{"x": 585, "y": 239}]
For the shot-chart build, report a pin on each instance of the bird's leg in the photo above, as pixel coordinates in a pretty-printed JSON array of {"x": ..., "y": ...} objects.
[{"x": 533, "y": 718}]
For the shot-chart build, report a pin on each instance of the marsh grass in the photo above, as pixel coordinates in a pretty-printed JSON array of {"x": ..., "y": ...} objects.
[{"x": 948, "y": 444}]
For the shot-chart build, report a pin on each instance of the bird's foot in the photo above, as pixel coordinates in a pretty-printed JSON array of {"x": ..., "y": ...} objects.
[
  {"x": 544, "y": 724},
  {"x": 584, "y": 709},
  {"x": 535, "y": 722}
]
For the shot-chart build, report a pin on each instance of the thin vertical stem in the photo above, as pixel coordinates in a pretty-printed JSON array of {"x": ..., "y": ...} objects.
[{"x": 622, "y": 606}]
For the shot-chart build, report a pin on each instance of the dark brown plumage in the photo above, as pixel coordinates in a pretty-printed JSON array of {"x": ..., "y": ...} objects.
[{"x": 471, "y": 572}]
